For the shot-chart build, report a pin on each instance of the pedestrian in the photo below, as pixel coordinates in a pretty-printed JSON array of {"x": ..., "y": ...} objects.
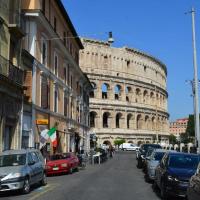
[{"x": 111, "y": 151}]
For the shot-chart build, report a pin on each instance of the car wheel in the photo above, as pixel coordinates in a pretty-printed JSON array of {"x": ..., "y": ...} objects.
[
  {"x": 154, "y": 186},
  {"x": 44, "y": 179},
  {"x": 163, "y": 192},
  {"x": 70, "y": 170},
  {"x": 139, "y": 165},
  {"x": 26, "y": 186}
]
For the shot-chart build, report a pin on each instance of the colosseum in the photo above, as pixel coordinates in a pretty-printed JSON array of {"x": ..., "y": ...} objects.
[{"x": 129, "y": 99}]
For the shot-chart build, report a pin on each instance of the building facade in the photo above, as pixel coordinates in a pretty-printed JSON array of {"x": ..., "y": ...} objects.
[
  {"x": 11, "y": 76},
  {"x": 129, "y": 97},
  {"x": 179, "y": 126},
  {"x": 56, "y": 90}
]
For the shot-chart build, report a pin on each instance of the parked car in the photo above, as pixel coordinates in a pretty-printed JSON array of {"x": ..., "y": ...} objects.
[
  {"x": 193, "y": 192},
  {"x": 143, "y": 151},
  {"x": 153, "y": 161},
  {"x": 72, "y": 161},
  {"x": 128, "y": 147},
  {"x": 173, "y": 174},
  {"x": 20, "y": 169},
  {"x": 62, "y": 163}
]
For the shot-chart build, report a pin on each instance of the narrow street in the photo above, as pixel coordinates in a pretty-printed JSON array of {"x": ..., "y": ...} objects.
[{"x": 117, "y": 179}]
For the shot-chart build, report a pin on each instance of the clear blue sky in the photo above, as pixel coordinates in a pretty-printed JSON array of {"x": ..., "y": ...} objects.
[{"x": 158, "y": 27}]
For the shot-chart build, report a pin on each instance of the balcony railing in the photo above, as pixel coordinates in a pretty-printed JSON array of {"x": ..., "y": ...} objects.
[{"x": 10, "y": 71}]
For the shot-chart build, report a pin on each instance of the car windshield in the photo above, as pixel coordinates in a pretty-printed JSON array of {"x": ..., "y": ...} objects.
[
  {"x": 159, "y": 155},
  {"x": 183, "y": 161},
  {"x": 56, "y": 157},
  {"x": 154, "y": 146},
  {"x": 67, "y": 155},
  {"x": 12, "y": 160}
]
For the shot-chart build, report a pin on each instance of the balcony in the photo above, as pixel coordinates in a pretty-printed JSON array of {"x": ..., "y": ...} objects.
[
  {"x": 16, "y": 24},
  {"x": 10, "y": 71}
]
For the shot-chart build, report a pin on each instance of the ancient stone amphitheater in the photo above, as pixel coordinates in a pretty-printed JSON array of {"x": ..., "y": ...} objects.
[{"x": 129, "y": 99}]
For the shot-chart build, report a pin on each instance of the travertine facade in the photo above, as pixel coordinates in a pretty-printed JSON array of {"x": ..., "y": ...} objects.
[{"x": 129, "y": 99}]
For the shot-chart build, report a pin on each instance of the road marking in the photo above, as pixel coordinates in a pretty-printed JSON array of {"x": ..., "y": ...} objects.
[{"x": 46, "y": 189}]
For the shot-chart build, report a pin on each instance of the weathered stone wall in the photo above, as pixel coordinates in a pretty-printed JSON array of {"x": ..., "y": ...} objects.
[{"x": 129, "y": 99}]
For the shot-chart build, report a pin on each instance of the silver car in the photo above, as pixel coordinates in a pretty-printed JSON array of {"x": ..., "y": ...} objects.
[
  {"x": 19, "y": 169},
  {"x": 153, "y": 161}
]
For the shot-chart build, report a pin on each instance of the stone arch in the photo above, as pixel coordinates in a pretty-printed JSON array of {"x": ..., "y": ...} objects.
[
  {"x": 130, "y": 121},
  {"x": 129, "y": 92},
  {"x": 94, "y": 87},
  {"x": 153, "y": 121},
  {"x": 106, "y": 116},
  {"x": 118, "y": 91},
  {"x": 105, "y": 88},
  {"x": 145, "y": 96},
  {"x": 147, "y": 123},
  {"x": 152, "y": 98},
  {"x": 107, "y": 142},
  {"x": 138, "y": 95},
  {"x": 118, "y": 120},
  {"x": 139, "y": 122},
  {"x": 93, "y": 119}
]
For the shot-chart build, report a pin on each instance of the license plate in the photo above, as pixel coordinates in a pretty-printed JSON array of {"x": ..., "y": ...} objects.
[{"x": 55, "y": 168}]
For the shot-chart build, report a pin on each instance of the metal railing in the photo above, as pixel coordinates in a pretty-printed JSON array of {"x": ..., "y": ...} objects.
[{"x": 10, "y": 71}]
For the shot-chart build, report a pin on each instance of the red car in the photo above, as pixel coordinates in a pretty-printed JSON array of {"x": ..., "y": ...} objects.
[
  {"x": 72, "y": 160},
  {"x": 61, "y": 163}
]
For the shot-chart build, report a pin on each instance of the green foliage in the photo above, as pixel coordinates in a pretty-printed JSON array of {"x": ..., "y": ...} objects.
[
  {"x": 190, "y": 126},
  {"x": 172, "y": 139},
  {"x": 185, "y": 138},
  {"x": 118, "y": 142}
]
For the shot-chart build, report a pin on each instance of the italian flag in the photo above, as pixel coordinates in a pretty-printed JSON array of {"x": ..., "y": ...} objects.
[{"x": 52, "y": 135}]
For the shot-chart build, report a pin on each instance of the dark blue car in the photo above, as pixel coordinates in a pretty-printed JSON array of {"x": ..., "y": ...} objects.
[{"x": 174, "y": 172}]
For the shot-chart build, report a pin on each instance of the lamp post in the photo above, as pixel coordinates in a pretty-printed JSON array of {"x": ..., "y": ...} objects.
[{"x": 195, "y": 84}]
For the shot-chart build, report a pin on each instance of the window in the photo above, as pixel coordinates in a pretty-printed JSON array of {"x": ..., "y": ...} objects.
[
  {"x": 56, "y": 65},
  {"x": 43, "y": 6},
  {"x": 55, "y": 100},
  {"x": 64, "y": 38},
  {"x": 55, "y": 24},
  {"x": 34, "y": 157},
  {"x": 44, "y": 92},
  {"x": 44, "y": 52},
  {"x": 65, "y": 74},
  {"x": 65, "y": 106}
]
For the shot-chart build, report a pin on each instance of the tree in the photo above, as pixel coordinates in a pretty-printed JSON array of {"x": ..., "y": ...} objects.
[
  {"x": 185, "y": 138},
  {"x": 190, "y": 126},
  {"x": 118, "y": 142},
  {"x": 172, "y": 139}
]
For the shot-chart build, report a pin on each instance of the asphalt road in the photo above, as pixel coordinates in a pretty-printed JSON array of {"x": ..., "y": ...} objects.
[{"x": 116, "y": 179}]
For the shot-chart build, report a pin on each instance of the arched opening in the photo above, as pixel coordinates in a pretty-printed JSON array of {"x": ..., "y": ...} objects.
[
  {"x": 131, "y": 142},
  {"x": 147, "y": 123},
  {"x": 107, "y": 143},
  {"x": 137, "y": 92},
  {"x": 117, "y": 92},
  {"x": 152, "y": 98},
  {"x": 118, "y": 117},
  {"x": 94, "y": 86},
  {"x": 93, "y": 119},
  {"x": 129, "y": 121},
  {"x": 139, "y": 122},
  {"x": 145, "y": 96},
  {"x": 153, "y": 123},
  {"x": 105, "y": 88},
  {"x": 105, "y": 119},
  {"x": 128, "y": 93}
]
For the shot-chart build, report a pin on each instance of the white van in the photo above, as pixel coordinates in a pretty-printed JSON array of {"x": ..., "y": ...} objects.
[{"x": 128, "y": 147}]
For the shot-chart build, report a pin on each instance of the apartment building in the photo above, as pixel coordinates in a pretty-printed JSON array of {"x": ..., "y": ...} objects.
[
  {"x": 56, "y": 90},
  {"x": 11, "y": 76},
  {"x": 179, "y": 126}
]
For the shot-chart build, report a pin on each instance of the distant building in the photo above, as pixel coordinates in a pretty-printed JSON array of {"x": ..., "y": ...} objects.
[{"x": 179, "y": 126}]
